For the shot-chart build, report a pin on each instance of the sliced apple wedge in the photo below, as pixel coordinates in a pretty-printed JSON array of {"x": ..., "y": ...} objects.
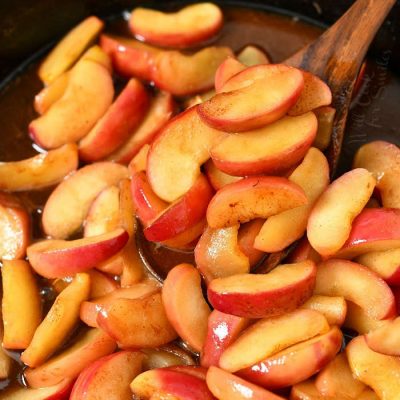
[
  {"x": 139, "y": 161},
  {"x": 169, "y": 355},
  {"x": 269, "y": 336},
  {"x": 258, "y": 296},
  {"x": 185, "y": 28},
  {"x": 331, "y": 218},
  {"x": 263, "y": 150},
  {"x": 333, "y": 308},
  {"x": 386, "y": 339},
  {"x": 69, "y": 49},
  {"x": 115, "y": 126},
  {"x": 87, "y": 348},
  {"x": 252, "y": 55},
  {"x": 61, "y": 391},
  {"x": 344, "y": 278},
  {"x": 247, "y": 234},
  {"x": 230, "y": 67},
  {"x": 68, "y": 205},
  {"x": 307, "y": 391},
  {"x": 185, "y": 306},
  {"x": 253, "y": 197},
  {"x": 303, "y": 251},
  {"x": 59, "y": 258},
  {"x": 174, "y": 149},
  {"x": 296, "y": 363},
  {"x": 21, "y": 304},
  {"x": 70, "y": 118},
  {"x": 187, "y": 239},
  {"x": 217, "y": 178},
  {"x": 252, "y": 98},
  {"x": 281, "y": 230}
]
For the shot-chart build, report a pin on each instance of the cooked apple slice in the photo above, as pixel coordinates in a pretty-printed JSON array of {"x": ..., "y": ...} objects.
[
  {"x": 252, "y": 98},
  {"x": 187, "y": 239},
  {"x": 97, "y": 54},
  {"x": 253, "y": 197},
  {"x": 374, "y": 229},
  {"x": 139, "y": 161},
  {"x": 303, "y": 251},
  {"x": 101, "y": 284},
  {"x": 61, "y": 391},
  {"x": 217, "y": 178},
  {"x": 108, "y": 377},
  {"x": 69, "y": 49},
  {"x": 59, "y": 258},
  {"x": 6, "y": 361},
  {"x": 330, "y": 221},
  {"x": 281, "y": 230},
  {"x": 386, "y": 339},
  {"x": 58, "y": 323},
  {"x": 226, "y": 386},
  {"x": 368, "y": 394},
  {"x": 382, "y": 159},
  {"x": 337, "y": 380},
  {"x": 171, "y": 384},
  {"x": 378, "y": 371},
  {"x": 115, "y": 126},
  {"x": 87, "y": 348},
  {"x": 21, "y": 304},
  {"x": 166, "y": 356},
  {"x": 42, "y": 170},
  {"x": 68, "y": 205},
  {"x": 222, "y": 331},
  {"x": 271, "y": 335},
  {"x": 230, "y": 67},
  {"x": 306, "y": 390},
  {"x": 258, "y": 296},
  {"x": 185, "y": 306},
  {"x": 348, "y": 279},
  {"x": 14, "y": 228},
  {"x": 263, "y": 150},
  {"x": 185, "y": 28},
  {"x": 333, "y": 308},
  {"x": 252, "y": 55},
  {"x": 70, "y": 118},
  {"x": 174, "y": 149},
  {"x": 140, "y": 322},
  {"x": 296, "y": 363},
  {"x": 247, "y": 234},
  {"x": 325, "y": 116}
]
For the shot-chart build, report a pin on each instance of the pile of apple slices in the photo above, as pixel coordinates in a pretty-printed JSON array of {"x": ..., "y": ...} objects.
[{"x": 238, "y": 173}]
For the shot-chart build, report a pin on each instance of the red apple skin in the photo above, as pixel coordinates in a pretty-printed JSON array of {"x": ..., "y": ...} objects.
[
  {"x": 296, "y": 363},
  {"x": 183, "y": 213},
  {"x": 111, "y": 131}
]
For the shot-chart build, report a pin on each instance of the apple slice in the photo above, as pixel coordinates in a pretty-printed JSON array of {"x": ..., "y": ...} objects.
[
  {"x": 222, "y": 331},
  {"x": 368, "y": 394},
  {"x": 160, "y": 112},
  {"x": 68, "y": 205},
  {"x": 97, "y": 54},
  {"x": 306, "y": 390},
  {"x": 281, "y": 230},
  {"x": 187, "y": 239},
  {"x": 334, "y": 309},
  {"x": 325, "y": 116},
  {"x": 109, "y": 377},
  {"x": 40, "y": 171},
  {"x": 351, "y": 280},
  {"x": 247, "y": 234},
  {"x": 140, "y": 322},
  {"x": 87, "y": 348},
  {"x": 378, "y": 371},
  {"x": 69, "y": 119},
  {"x": 263, "y": 150},
  {"x": 253, "y": 197},
  {"x": 59, "y": 258},
  {"x": 187, "y": 27},
  {"x": 252, "y": 55},
  {"x": 169, "y": 355},
  {"x": 258, "y": 296},
  {"x": 271, "y": 335},
  {"x": 230, "y": 67},
  {"x": 336, "y": 379},
  {"x": 331, "y": 218},
  {"x": 139, "y": 161},
  {"x": 174, "y": 149},
  {"x": 58, "y": 323},
  {"x": 21, "y": 304},
  {"x": 185, "y": 306},
  {"x": 296, "y": 363},
  {"x": 386, "y": 339},
  {"x": 14, "y": 228},
  {"x": 60, "y": 391},
  {"x": 303, "y": 251},
  {"x": 226, "y": 386},
  {"x": 6, "y": 362},
  {"x": 69, "y": 49},
  {"x": 252, "y": 98},
  {"x": 182, "y": 214},
  {"x": 217, "y": 178}
]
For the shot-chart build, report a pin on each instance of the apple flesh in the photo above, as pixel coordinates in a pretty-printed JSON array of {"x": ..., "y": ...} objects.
[
  {"x": 263, "y": 150},
  {"x": 331, "y": 218},
  {"x": 325, "y": 116},
  {"x": 253, "y": 197},
  {"x": 247, "y": 234},
  {"x": 60, "y": 391},
  {"x": 258, "y": 296},
  {"x": 139, "y": 161},
  {"x": 187, "y": 239},
  {"x": 386, "y": 339},
  {"x": 230, "y": 67},
  {"x": 333, "y": 308},
  {"x": 307, "y": 391},
  {"x": 252, "y": 55},
  {"x": 169, "y": 355},
  {"x": 6, "y": 362},
  {"x": 303, "y": 251},
  {"x": 218, "y": 178}
]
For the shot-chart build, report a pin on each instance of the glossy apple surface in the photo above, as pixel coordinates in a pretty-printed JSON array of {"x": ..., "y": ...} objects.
[
  {"x": 386, "y": 339},
  {"x": 333, "y": 308}
]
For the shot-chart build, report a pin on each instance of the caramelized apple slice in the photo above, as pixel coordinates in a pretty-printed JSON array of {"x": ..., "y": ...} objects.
[
  {"x": 5, "y": 360},
  {"x": 252, "y": 98},
  {"x": 253, "y": 197},
  {"x": 252, "y": 55},
  {"x": 69, "y": 49},
  {"x": 217, "y": 178},
  {"x": 59, "y": 391},
  {"x": 230, "y": 67},
  {"x": 87, "y": 348},
  {"x": 247, "y": 234},
  {"x": 166, "y": 356},
  {"x": 330, "y": 221},
  {"x": 187, "y": 27},
  {"x": 306, "y": 390},
  {"x": 58, "y": 323},
  {"x": 21, "y": 304},
  {"x": 303, "y": 251},
  {"x": 386, "y": 339},
  {"x": 139, "y": 161},
  {"x": 333, "y": 308},
  {"x": 70, "y": 118},
  {"x": 344, "y": 278},
  {"x": 68, "y": 205}
]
